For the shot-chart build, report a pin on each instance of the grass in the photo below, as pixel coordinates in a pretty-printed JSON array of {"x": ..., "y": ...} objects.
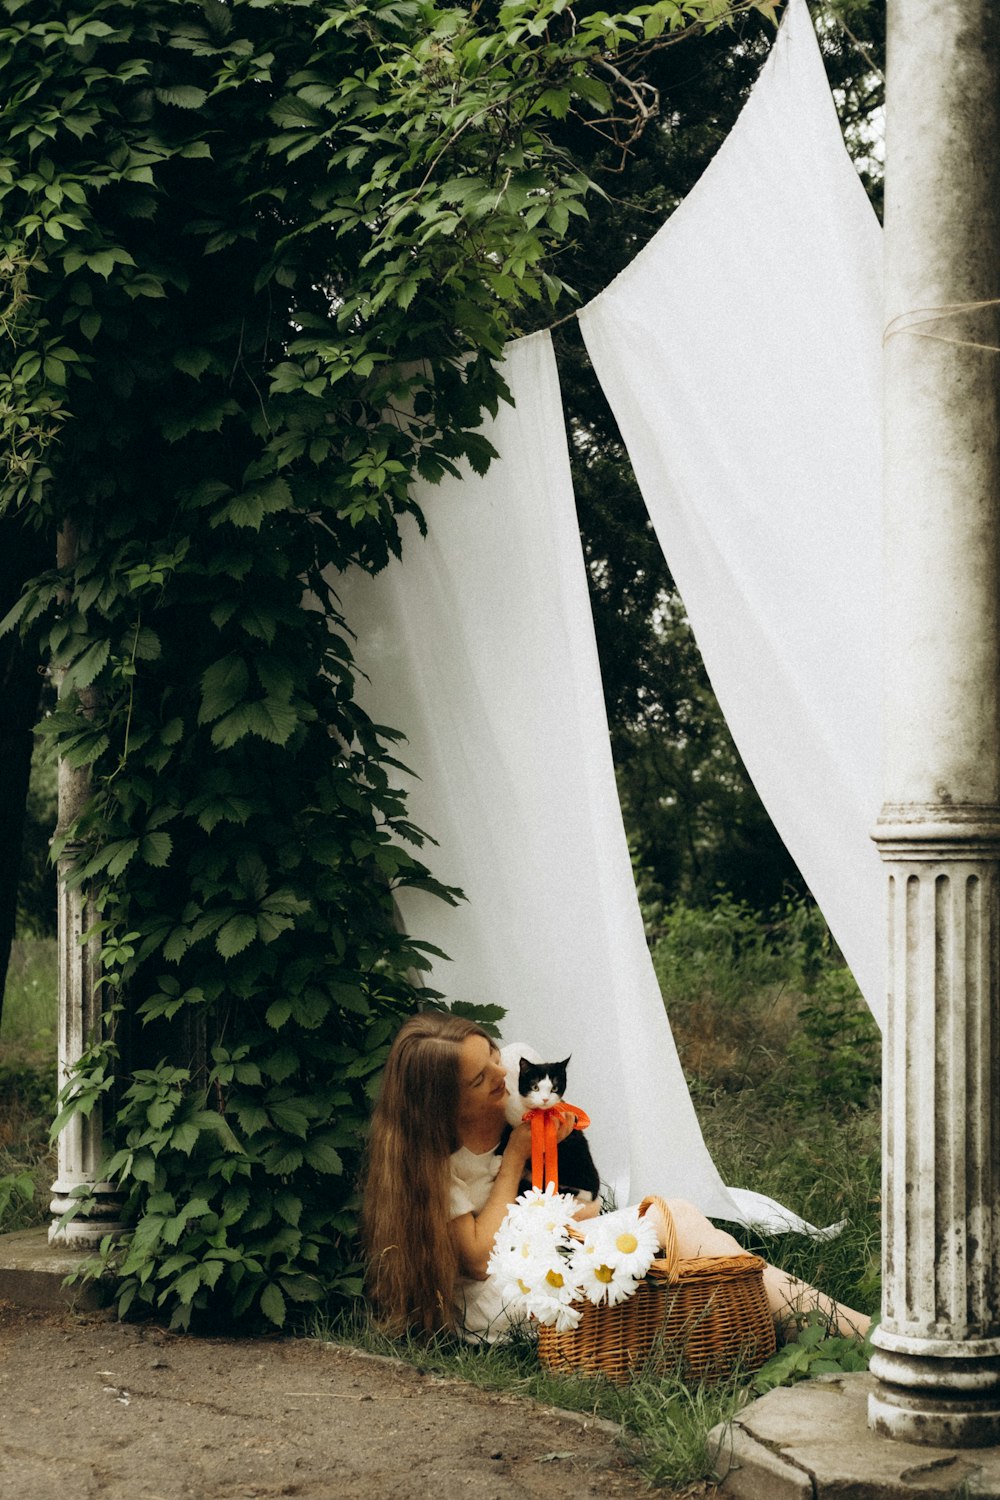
[
  {"x": 27, "y": 1084},
  {"x": 29, "y": 1004},
  {"x": 783, "y": 1064}
]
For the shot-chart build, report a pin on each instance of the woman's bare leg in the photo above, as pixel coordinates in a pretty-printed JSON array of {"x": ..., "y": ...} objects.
[{"x": 787, "y": 1296}]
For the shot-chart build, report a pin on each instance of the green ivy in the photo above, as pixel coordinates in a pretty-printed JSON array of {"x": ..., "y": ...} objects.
[
  {"x": 814, "y": 1351},
  {"x": 256, "y": 261}
]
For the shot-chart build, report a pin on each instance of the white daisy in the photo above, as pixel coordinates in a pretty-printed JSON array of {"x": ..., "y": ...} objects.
[
  {"x": 547, "y": 1292},
  {"x": 599, "y": 1278},
  {"x": 625, "y": 1239},
  {"x": 562, "y": 1316},
  {"x": 519, "y": 1267},
  {"x": 552, "y": 1297},
  {"x": 548, "y": 1211}
]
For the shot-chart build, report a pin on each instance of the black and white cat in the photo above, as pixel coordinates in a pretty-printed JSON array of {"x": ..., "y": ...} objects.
[{"x": 534, "y": 1084}]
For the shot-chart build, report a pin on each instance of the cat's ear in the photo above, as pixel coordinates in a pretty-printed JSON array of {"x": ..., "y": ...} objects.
[
  {"x": 524, "y": 1062},
  {"x": 563, "y": 1064}
]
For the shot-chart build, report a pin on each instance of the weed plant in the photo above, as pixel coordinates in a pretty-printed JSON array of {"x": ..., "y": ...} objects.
[
  {"x": 783, "y": 1061},
  {"x": 27, "y": 1084},
  {"x": 28, "y": 1027}
]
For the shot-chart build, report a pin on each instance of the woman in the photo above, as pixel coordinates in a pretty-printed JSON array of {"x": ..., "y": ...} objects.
[{"x": 437, "y": 1190}]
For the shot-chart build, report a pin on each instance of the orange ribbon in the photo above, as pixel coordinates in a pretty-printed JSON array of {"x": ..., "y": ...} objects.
[{"x": 544, "y": 1154}]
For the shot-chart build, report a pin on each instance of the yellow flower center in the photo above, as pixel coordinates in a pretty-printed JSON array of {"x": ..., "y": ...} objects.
[
  {"x": 626, "y": 1243},
  {"x": 525, "y": 1290},
  {"x": 605, "y": 1274},
  {"x": 554, "y": 1279}
]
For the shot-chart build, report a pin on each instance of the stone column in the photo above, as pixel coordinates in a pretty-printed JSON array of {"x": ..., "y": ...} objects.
[
  {"x": 80, "y": 1145},
  {"x": 938, "y": 1346}
]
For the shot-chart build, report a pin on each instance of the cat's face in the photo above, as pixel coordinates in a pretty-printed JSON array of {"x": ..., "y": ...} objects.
[{"x": 542, "y": 1084}]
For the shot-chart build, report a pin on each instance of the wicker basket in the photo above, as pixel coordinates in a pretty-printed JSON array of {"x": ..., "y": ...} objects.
[{"x": 700, "y": 1317}]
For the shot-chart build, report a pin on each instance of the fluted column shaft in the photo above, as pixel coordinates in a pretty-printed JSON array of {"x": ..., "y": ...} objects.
[
  {"x": 938, "y": 1359},
  {"x": 80, "y": 1145}
]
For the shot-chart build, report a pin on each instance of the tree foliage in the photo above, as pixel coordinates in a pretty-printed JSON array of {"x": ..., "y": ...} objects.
[{"x": 257, "y": 260}]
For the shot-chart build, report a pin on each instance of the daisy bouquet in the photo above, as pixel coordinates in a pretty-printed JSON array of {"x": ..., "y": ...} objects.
[{"x": 543, "y": 1269}]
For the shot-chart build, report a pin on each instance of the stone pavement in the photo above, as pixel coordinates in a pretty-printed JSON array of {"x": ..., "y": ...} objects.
[{"x": 811, "y": 1442}]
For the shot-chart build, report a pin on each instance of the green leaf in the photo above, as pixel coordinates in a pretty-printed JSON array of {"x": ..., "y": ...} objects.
[
  {"x": 323, "y": 1156},
  {"x": 272, "y": 720},
  {"x": 288, "y": 1115},
  {"x": 282, "y": 1161},
  {"x": 146, "y": 646},
  {"x": 193, "y": 362},
  {"x": 272, "y": 1304},
  {"x": 270, "y": 927},
  {"x": 104, "y": 261},
  {"x": 292, "y": 111},
  {"x": 120, "y": 856},
  {"x": 88, "y": 666},
  {"x": 252, "y": 1118},
  {"x": 278, "y": 1013},
  {"x": 288, "y": 1205},
  {"x": 182, "y": 96},
  {"x": 238, "y": 933},
  {"x": 155, "y": 848},
  {"x": 303, "y": 1288},
  {"x": 184, "y": 1137},
  {"x": 223, "y": 685}
]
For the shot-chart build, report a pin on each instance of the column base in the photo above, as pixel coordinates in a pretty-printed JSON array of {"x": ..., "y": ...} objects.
[
  {"x": 99, "y": 1217},
  {"x": 946, "y": 1400}
]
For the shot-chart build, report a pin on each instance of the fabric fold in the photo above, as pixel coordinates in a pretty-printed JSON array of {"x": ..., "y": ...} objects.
[
  {"x": 740, "y": 353},
  {"x": 480, "y": 647}
]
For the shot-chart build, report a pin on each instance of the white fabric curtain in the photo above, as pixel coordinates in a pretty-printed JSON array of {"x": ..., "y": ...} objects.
[
  {"x": 480, "y": 647},
  {"x": 740, "y": 353}
]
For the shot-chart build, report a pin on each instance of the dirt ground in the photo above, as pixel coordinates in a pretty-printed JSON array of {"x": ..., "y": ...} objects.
[{"x": 93, "y": 1408}]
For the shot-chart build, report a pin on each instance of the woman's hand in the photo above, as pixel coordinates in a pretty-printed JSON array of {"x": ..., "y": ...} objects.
[{"x": 519, "y": 1144}]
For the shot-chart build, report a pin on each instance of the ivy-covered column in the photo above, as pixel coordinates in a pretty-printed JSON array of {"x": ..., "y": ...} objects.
[
  {"x": 80, "y": 1143},
  {"x": 938, "y": 1346}
]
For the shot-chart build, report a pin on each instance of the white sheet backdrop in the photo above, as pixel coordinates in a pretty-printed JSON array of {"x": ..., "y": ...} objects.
[
  {"x": 740, "y": 352},
  {"x": 480, "y": 647}
]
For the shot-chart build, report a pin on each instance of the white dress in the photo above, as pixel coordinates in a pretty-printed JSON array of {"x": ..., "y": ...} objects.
[{"x": 482, "y": 1315}]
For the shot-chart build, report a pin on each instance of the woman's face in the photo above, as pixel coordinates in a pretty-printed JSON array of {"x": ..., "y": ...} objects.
[{"x": 482, "y": 1087}]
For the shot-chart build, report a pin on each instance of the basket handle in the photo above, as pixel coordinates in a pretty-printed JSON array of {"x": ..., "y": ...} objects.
[{"x": 666, "y": 1263}]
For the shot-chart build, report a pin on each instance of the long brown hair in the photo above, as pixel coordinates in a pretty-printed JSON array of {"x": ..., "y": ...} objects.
[{"x": 412, "y": 1266}]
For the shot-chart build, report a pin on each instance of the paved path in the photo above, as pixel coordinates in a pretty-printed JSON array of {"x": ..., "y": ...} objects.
[{"x": 94, "y": 1408}]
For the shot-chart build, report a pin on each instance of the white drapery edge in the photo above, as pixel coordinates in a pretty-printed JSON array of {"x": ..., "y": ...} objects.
[
  {"x": 741, "y": 355},
  {"x": 480, "y": 647}
]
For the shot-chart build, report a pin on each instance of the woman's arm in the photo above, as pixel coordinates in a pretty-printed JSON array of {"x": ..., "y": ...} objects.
[{"x": 473, "y": 1234}]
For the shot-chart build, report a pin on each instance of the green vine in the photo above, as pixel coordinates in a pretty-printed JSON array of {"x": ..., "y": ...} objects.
[{"x": 247, "y": 248}]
